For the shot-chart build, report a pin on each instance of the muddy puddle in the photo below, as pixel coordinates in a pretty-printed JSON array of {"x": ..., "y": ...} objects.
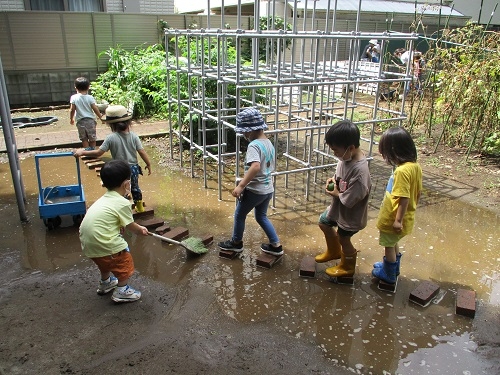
[{"x": 359, "y": 327}]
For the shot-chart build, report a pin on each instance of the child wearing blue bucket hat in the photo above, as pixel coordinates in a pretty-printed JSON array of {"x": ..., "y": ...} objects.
[{"x": 257, "y": 184}]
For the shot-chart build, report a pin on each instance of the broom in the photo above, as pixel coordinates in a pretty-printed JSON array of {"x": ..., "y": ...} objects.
[{"x": 194, "y": 245}]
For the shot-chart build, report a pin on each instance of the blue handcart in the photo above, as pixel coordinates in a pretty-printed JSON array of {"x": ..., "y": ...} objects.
[{"x": 55, "y": 201}]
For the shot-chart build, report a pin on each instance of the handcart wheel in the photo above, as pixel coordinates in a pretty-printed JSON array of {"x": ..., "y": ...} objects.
[
  {"x": 53, "y": 222},
  {"x": 77, "y": 219}
]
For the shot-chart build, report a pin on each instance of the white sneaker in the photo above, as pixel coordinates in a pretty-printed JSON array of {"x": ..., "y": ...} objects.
[
  {"x": 107, "y": 286},
  {"x": 127, "y": 295}
]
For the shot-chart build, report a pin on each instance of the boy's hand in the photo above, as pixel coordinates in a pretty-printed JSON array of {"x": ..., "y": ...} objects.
[
  {"x": 72, "y": 122},
  {"x": 237, "y": 191},
  {"x": 398, "y": 226},
  {"x": 78, "y": 152},
  {"x": 143, "y": 230},
  {"x": 148, "y": 168}
]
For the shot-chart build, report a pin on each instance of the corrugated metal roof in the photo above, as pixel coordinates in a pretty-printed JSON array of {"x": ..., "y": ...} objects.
[
  {"x": 376, "y": 6},
  {"x": 381, "y": 6}
]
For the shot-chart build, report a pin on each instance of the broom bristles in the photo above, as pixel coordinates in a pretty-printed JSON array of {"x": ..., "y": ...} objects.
[{"x": 195, "y": 245}]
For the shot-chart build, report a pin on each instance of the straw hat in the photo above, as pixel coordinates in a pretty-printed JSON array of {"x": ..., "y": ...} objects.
[
  {"x": 248, "y": 120},
  {"x": 117, "y": 113}
]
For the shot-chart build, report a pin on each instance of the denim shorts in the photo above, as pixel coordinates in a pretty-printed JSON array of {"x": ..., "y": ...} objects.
[{"x": 323, "y": 219}]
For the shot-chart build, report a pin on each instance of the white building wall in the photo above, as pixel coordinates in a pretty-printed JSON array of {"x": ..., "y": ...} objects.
[
  {"x": 11, "y": 4},
  {"x": 157, "y": 6},
  {"x": 114, "y": 6}
]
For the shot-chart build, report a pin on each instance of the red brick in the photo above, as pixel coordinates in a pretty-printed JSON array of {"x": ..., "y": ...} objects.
[
  {"x": 148, "y": 212},
  {"x": 162, "y": 229},
  {"x": 207, "y": 239},
  {"x": 307, "y": 267},
  {"x": 382, "y": 285},
  {"x": 267, "y": 260},
  {"x": 424, "y": 293},
  {"x": 151, "y": 223},
  {"x": 466, "y": 303},
  {"x": 177, "y": 233},
  {"x": 344, "y": 280},
  {"x": 227, "y": 254}
]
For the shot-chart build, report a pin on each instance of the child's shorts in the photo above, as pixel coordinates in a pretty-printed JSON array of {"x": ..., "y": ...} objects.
[
  {"x": 120, "y": 264},
  {"x": 323, "y": 219},
  {"x": 389, "y": 239},
  {"x": 87, "y": 129}
]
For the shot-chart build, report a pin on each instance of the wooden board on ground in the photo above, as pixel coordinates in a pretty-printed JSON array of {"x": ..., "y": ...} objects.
[{"x": 95, "y": 164}]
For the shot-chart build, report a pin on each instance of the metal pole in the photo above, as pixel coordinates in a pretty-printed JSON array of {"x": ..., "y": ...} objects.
[{"x": 10, "y": 144}]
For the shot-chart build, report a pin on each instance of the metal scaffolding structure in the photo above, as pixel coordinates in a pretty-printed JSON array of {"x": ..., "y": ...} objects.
[{"x": 307, "y": 80}]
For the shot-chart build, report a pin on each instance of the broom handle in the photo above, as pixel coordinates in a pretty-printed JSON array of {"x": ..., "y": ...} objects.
[{"x": 168, "y": 240}]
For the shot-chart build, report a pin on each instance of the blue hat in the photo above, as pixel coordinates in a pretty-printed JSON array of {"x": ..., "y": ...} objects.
[{"x": 248, "y": 120}]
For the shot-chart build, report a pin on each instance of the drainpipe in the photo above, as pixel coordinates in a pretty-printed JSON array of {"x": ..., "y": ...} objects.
[{"x": 10, "y": 144}]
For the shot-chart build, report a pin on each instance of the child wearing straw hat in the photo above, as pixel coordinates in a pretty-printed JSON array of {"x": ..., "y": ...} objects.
[
  {"x": 124, "y": 145},
  {"x": 257, "y": 184}
]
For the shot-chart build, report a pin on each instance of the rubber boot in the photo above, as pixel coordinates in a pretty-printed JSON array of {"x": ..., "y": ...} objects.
[
  {"x": 139, "y": 207},
  {"x": 329, "y": 254},
  {"x": 345, "y": 268},
  {"x": 387, "y": 272},
  {"x": 398, "y": 261}
]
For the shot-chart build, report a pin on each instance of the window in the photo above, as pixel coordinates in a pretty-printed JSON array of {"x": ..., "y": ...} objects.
[{"x": 65, "y": 5}]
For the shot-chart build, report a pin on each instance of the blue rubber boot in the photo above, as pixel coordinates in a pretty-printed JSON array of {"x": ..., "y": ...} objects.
[
  {"x": 398, "y": 261},
  {"x": 387, "y": 273}
]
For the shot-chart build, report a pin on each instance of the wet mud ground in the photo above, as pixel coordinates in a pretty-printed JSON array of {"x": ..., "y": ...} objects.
[{"x": 217, "y": 316}]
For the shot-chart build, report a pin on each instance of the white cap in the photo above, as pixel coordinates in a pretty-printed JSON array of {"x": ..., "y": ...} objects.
[{"x": 373, "y": 41}]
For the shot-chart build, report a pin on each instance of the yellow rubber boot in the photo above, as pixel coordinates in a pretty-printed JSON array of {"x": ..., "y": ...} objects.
[
  {"x": 345, "y": 268},
  {"x": 332, "y": 252},
  {"x": 139, "y": 207}
]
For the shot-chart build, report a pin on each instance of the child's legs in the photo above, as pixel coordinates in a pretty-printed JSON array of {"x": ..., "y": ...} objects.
[
  {"x": 134, "y": 182},
  {"x": 87, "y": 132},
  {"x": 243, "y": 208},
  {"x": 328, "y": 227},
  {"x": 390, "y": 243},
  {"x": 331, "y": 236},
  {"x": 82, "y": 133},
  {"x": 345, "y": 241},
  {"x": 120, "y": 264},
  {"x": 260, "y": 213}
]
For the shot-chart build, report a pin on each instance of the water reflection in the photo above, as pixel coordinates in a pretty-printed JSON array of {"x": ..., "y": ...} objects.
[{"x": 360, "y": 327}]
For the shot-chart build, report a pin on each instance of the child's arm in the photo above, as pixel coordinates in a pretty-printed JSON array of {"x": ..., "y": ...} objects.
[
  {"x": 137, "y": 229},
  {"x": 82, "y": 152},
  {"x": 247, "y": 178},
  {"x": 145, "y": 158},
  {"x": 398, "y": 222},
  {"x": 97, "y": 112},
  {"x": 72, "y": 112}
]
